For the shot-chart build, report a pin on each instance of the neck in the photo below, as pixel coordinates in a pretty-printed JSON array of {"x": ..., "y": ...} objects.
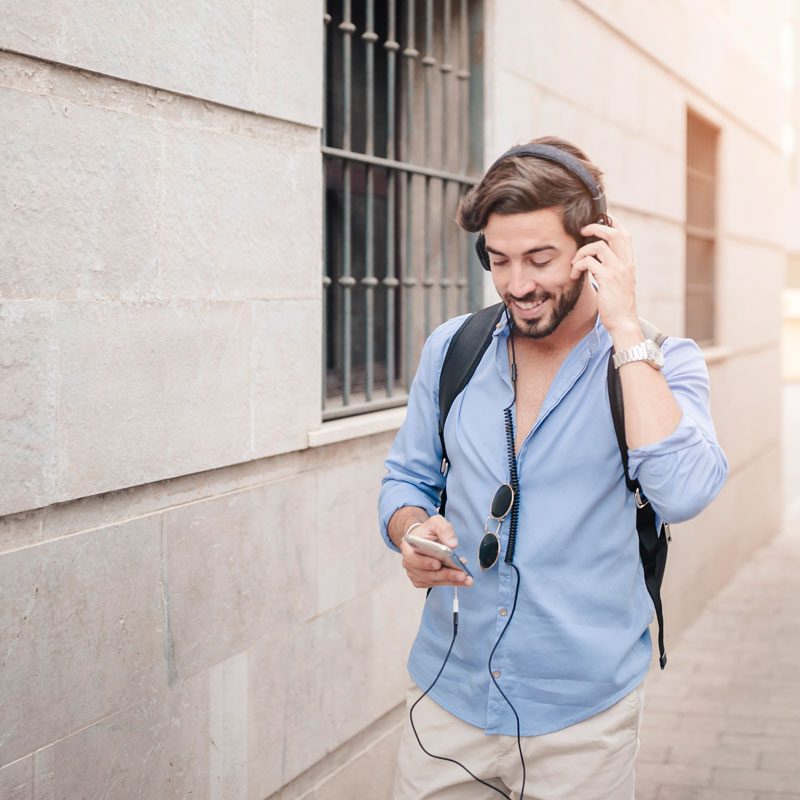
[{"x": 572, "y": 329}]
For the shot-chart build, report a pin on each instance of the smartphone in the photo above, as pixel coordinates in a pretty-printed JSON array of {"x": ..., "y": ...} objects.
[{"x": 445, "y": 554}]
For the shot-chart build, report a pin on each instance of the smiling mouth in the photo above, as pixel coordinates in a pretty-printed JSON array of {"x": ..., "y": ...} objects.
[{"x": 530, "y": 306}]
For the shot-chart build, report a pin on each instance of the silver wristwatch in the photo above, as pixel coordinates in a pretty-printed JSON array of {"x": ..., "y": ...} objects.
[{"x": 647, "y": 351}]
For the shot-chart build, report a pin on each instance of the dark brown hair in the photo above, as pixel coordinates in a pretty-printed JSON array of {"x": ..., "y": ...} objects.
[{"x": 525, "y": 183}]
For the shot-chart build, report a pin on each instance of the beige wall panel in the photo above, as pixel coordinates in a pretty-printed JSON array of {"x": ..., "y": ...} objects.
[
  {"x": 751, "y": 200},
  {"x": 270, "y": 673},
  {"x": 346, "y": 695},
  {"x": 746, "y": 411},
  {"x": 28, "y": 407},
  {"x": 239, "y": 567},
  {"x": 287, "y": 59},
  {"x": 228, "y": 729},
  {"x": 225, "y": 53},
  {"x": 286, "y": 363},
  {"x": 517, "y": 114},
  {"x": 749, "y": 282},
  {"x": 352, "y": 555},
  {"x": 138, "y": 383},
  {"x": 19, "y": 530},
  {"x": 159, "y": 748},
  {"x": 661, "y": 110},
  {"x": 683, "y": 37},
  {"x": 651, "y": 179},
  {"x": 659, "y": 253},
  {"x": 82, "y": 622},
  {"x": 240, "y": 213},
  {"x": 371, "y": 774},
  {"x": 16, "y": 780},
  {"x": 78, "y": 204},
  {"x": 396, "y": 610},
  {"x": 545, "y": 46}
]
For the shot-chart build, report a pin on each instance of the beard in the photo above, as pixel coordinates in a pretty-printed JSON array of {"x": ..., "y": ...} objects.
[{"x": 547, "y": 323}]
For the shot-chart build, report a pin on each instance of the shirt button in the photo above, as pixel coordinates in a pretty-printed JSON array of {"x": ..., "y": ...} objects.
[
  {"x": 503, "y": 612},
  {"x": 496, "y": 673}
]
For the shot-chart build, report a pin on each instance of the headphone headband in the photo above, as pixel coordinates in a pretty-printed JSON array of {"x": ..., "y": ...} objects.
[{"x": 549, "y": 152}]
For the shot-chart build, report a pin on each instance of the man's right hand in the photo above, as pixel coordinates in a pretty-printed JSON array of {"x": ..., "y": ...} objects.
[{"x": 424, "y": 571}]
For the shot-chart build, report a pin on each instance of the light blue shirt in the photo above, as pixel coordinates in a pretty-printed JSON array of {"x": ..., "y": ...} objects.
[{"x": 579, "y": 639}]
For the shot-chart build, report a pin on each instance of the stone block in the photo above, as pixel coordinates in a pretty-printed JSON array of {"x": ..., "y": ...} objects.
[
  {"x": 265, "y": 57},
  {"x": 738, "y": 392},
  {"x": 329, "y": 701},
  {"x": 138, "y": 384},
  {"x": 352, "y": 556},
  {"x": 82, "y": 624},
  {"x": 238, "y": 568},
  {"x": 286, "y": 364},
  {"x": 765, "y": 179},
  {"x": 744, "y": 319},
  {"x": 16, "y": 780},
  {"x": 161, "y": 747},
  {"x": 28, "y": 403},
  {"x": 516, "y": 100},
  {"x": 240, "y": 213},
  {"x": 228, "y": 730},
  {"x": 270, "y": 672},
  {"x": 20, "y": 530},
  {"x": 78, "y": 202},
  {"x": 371, "y": 774},
  {"x": 287, "y": 70}
]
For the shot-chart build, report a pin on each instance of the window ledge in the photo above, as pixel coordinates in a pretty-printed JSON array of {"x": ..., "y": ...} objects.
[
  {"x": 716, "y": 352},
  {"x": 340, "y": 430}
]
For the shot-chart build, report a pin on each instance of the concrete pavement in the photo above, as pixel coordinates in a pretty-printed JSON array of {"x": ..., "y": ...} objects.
[{"x": 722, "y": 722}]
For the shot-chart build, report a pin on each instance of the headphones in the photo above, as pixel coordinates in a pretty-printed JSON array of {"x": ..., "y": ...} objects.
[{"x": 550, "y": 153}]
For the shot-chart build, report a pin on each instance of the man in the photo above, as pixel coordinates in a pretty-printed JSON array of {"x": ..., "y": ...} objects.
[{"x": 572, "y": 661}]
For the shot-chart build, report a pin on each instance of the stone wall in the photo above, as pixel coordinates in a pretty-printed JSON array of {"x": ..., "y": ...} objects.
[{"x": 194, "y": 600}]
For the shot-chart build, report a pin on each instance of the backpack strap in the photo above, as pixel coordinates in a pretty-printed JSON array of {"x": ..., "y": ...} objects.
[
  {"x": 464, "y": 353},
  {"x": 653, "y": 543}
]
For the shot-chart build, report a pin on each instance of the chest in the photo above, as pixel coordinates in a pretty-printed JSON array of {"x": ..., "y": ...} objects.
[{"x": 533, "y": 383}]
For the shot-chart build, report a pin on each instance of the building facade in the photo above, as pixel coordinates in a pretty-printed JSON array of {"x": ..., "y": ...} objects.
[{"x": 194, "y": 597}]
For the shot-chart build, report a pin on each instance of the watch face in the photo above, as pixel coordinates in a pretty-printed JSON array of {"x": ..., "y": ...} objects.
[{"x": 654, "y": 354}]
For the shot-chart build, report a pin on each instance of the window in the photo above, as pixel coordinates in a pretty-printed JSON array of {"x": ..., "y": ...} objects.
[
  {"x": 701, "y": 222},
  {"x": 401, "y": 143}
]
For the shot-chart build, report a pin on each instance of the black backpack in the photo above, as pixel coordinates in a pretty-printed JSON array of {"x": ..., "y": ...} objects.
[{"x": 465, "y": 352}]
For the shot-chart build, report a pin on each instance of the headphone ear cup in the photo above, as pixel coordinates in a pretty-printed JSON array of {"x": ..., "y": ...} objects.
[{"x": 480, "y": 249}]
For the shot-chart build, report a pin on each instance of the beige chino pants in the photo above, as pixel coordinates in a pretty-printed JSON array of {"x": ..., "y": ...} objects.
[{"x": 590, "y": 760}]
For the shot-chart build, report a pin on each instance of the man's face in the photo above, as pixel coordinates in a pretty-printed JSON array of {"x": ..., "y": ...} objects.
[{"x": 531, "y": 254}]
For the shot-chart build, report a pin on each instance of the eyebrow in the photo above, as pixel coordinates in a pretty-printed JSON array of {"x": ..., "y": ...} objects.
[{"x": 526, "y": 253}]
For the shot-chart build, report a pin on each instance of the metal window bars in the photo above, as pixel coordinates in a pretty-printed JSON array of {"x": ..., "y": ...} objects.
[{"x": 391, "y": 247}]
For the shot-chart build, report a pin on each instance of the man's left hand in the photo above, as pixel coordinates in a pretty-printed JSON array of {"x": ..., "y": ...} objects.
[{"x": 610, "y": 260}]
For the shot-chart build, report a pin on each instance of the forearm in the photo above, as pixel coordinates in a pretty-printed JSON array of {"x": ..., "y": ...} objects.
[
  {"x": 651, "y": 411},
  {"x": 402, "y": 519}
]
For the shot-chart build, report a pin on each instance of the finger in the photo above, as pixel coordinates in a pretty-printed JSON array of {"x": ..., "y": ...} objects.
[
  {"x": 444, "y": 577},
  {"x": 420, "y": 562},
  {"x": 416, "y": 560},
  {"x": 442, "y": 530},
  {"x": 589, "y": 264},
  {"x": 598, "y": 229},
  {"x": 601, "y": 250}
]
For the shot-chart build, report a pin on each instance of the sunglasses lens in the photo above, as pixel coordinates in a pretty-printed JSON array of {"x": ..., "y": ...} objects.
[
  {"x": 488, "y": 551},
  {"x": 501, "y": 503}
]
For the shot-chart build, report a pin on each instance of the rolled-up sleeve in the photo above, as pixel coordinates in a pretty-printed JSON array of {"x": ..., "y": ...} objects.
[
  {"x": 683, "y": 473},
  {"x": 413, "y": 477}
]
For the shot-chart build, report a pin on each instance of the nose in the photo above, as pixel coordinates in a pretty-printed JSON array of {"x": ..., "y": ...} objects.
[{"x": 521, "y": 280}]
